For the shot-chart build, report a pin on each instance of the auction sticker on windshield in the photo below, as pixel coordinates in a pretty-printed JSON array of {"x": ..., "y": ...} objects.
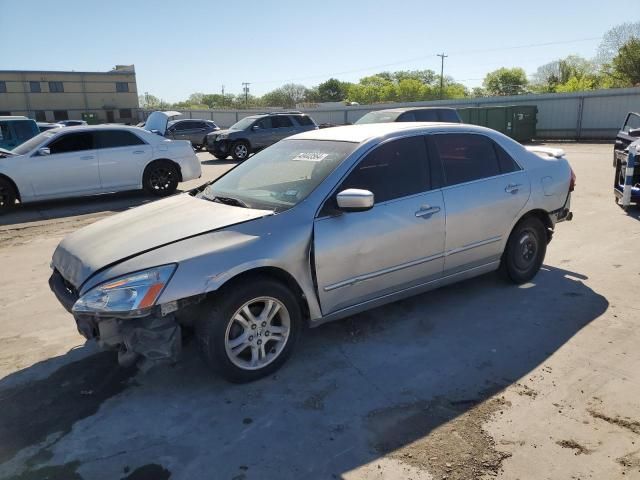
[{"x": 310, "y": 157}]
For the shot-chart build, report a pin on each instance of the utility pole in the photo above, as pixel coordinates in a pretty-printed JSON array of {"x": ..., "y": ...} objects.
[
  {"x": 442, "y": 56},
  {"x": 245, "y": 88},
  {"x": 223, "y": 95}
]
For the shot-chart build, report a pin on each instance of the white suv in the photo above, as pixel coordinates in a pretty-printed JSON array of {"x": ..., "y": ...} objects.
[{"x": 89, "y": 160}]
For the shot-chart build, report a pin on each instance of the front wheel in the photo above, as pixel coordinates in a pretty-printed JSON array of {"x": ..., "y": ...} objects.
[
  {"x": 160, "y": 178},
  {"x": 525, "y": 251},
  {"x": 248, "y": 332},
  {"x": 240, "y": 151}
]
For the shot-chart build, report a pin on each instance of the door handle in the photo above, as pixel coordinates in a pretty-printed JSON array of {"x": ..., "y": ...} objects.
[
  {"x": 512, "y": 188},
  {"x": 87, "y": 157},
  {"x": 138, "y": 152},
  {"x": 427, "y": 211}
]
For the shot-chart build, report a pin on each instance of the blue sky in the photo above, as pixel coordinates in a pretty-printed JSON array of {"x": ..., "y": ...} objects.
[{"x": 180, "y": 47}]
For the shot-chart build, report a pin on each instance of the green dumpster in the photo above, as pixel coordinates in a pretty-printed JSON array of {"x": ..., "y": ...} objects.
[{"x": 516, "y": 121}]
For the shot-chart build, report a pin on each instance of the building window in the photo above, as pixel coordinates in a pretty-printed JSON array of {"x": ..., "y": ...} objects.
[
  {"x": 35, "y": 87},
  {"x": 3, "y": 86},
  {"x": 56, "y": 87},
  {"x": 122, "y": 87},
  {"x": 125, "y": 113},
  {"x": 5, "y": 113},
  {"x": 60, "y": 115},
  {"x": 41, "y": 116}
]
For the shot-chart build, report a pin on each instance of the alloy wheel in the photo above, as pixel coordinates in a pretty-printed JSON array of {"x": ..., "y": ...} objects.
[{"x": 257, "y": 333}]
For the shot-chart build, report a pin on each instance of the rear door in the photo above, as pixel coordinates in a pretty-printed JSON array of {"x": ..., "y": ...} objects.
[
  {"x": 70, "y": 169},
  {"x": 397, "y": 244},
  {"x": 122, "y": 159},
  {"x": 485, "y": 190},
  {"x": 282, "y": 127}
]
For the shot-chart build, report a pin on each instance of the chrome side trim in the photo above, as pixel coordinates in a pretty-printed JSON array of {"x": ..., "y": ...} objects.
[
  {"x": 405, "y": 293},
  {"x": 368, "y": 276}
]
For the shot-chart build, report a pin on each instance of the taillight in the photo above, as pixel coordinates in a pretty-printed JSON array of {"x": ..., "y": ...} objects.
[{"x": 572, "y": 185}]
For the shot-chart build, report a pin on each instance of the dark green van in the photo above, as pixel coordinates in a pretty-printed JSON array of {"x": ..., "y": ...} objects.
[{"x": 16, "y": 130}]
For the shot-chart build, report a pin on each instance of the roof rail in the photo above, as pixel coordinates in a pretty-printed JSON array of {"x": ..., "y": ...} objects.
[{"x": 281, "y": 113}]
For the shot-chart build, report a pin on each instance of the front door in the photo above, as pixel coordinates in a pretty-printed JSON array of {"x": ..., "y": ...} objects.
[
  {"x": 70, "y": 169},
  {"x": 484, "y": 193},
  {"x": 262, "y": 133},
  {"x": 399, "y": 243}
]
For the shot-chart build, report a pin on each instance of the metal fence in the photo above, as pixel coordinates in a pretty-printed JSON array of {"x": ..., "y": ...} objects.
[{"x": 596, "y": 114}]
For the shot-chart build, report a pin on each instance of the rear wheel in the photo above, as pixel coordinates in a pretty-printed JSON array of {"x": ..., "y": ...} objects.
[
  {"x": 248, "y": 332},
  {"x": 240, "y": 151},
  {"x": 525, "y": 251},
  {"x": 160, "y": 178},
  {"x": 8, "y": 195}
]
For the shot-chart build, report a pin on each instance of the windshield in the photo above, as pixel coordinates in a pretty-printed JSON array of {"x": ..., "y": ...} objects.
[
  {"x": 33, "y": 142},
  {"x": 379, "y": 117},
  {"x": 280, "y": 176},
  {"x": 242, "y": 124}
]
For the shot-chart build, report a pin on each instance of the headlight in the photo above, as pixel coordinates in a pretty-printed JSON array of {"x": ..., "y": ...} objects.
[
  {"x": 131, "y": 294},
  {"x": 222, "y": 136}
]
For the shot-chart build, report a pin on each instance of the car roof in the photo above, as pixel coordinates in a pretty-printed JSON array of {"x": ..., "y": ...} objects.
[
  {"x": 106, "y": 126},
  {"x": 360, "y": 133},
  {"x": 411, "y": 109},
  {"x": 13, "y": 117}
]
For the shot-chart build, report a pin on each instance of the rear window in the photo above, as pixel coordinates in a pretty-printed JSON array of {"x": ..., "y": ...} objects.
[
  {"x": 116, "y": 138},
  {"x": 466, "y": 157},
  {"x": 449, "y": 116},
  {"x": 281, "y": 121},
  {"x": 426, "y": 116},
  {"x": 379, "y": 117}
]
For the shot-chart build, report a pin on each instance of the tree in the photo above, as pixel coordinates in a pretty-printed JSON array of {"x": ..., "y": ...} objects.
[
  {"x": 332, "y": 90},
  {"x": 626, "y": 64},
  {"x": 506, "y": 81},
  {"x": 551, "y": 76},
  {"x": 614, "y": 39},
  {"x": 151, "y": 102}
]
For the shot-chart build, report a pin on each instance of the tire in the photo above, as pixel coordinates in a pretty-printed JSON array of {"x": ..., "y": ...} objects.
[
  {"x": 240, "y": 151},
  {"x": 260, "y": 353},
  {"x": 525, "y": 251},
  {"x": 160, "y": 178},
  {"x": 8, "y": 195},
  {"x": 220, "y": 157}
]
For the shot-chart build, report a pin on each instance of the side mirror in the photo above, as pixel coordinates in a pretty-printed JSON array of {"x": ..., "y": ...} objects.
[
  {"x": 44, "y": 151},
  {"x": 634, "y": 132},
  {"x": 355, "y": 200},
  {"x": 255, "y": 127}
]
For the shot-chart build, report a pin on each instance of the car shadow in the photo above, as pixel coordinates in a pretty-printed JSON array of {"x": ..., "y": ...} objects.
[
  {"x": 357, "y": 391},
  {"x": 215, "y": 161}
]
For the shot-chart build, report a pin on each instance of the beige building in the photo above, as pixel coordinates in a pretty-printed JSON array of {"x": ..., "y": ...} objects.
[{"x": 96, "y": 97}]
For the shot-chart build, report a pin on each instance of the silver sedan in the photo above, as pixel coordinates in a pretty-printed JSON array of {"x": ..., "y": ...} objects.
[{"x": 317, "y": 227}]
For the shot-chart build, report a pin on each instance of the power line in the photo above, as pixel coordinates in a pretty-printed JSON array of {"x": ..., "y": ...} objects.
[{"x": 423, "y": 57}]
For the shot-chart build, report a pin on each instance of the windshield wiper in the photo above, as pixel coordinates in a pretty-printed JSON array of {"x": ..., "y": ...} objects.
[{"x": 230, "y": 201}]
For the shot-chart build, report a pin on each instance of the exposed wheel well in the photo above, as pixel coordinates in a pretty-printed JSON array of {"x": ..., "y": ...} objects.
[
  {"x": 543, "y": 217},
  {"x": 15, "y": 187},
  {"x": 276, "y": 274},
  {"x": 165, "y": 160}
]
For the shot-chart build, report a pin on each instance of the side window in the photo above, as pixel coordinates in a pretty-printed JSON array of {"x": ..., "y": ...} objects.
[
  {"x": 5, "y": 133},
  {"x": 281, "y": 122},
  {"x": 181, "y": 126},
  {"x": 72, "y": 142},
  {"x": 395, "y": 169},
  {"x": 116, "y": 138},
  {"x": 303, "y": 120},
  {"x": 23, "y": 130},
  {"x": 407, "y": 117},
  {"x": 507, "y": 164},
  {"x": 466, "y": 157},
  {"x": 449, "y": 116},
  {"x": 426, "y": 115},
  {"x": 632, "y": 123},
  {"x": 264, "y": 123}
]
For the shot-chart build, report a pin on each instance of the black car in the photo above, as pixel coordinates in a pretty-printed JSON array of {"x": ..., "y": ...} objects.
[
  {"x": 195, "y": 131},
  {"x": 412, "y": 114},
  {"x": 629, "y": 133}
]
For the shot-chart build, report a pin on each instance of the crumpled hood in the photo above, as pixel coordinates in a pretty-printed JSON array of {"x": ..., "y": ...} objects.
[{"x": 141, "y": 229}]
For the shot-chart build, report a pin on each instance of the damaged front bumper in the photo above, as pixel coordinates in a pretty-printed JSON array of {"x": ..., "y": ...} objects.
[{"x": 149, "y": 340}]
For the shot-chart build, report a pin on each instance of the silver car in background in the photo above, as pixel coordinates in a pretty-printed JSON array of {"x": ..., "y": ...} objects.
[{"x": 317, "y": 227}]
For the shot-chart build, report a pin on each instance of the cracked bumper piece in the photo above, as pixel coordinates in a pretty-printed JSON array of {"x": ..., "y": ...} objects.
[{"x": 154, "y": 338}]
